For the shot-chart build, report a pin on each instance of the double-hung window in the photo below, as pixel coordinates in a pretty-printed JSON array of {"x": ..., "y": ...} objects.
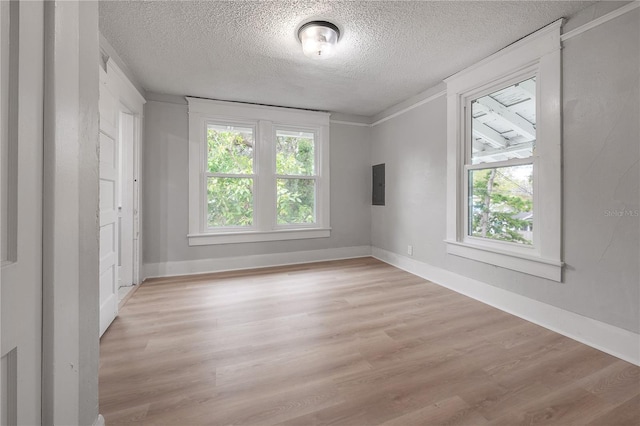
[
  {"x": 296, "y": 178},
  {"x": 256, "y": 173},
  {"x": 503, "y": 158},
  {"x": 229, "y": 176},
  {"x": 499, "y": 164}
]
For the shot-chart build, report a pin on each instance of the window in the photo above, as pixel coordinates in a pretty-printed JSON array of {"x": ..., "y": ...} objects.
[
  {"x": 229, "y": 174},
  {"x": 256, "y": 173},
  {"x": 296, "y": 177},
  {"x": 499, "y": 164},
  {"x": 503, "y": 158}
]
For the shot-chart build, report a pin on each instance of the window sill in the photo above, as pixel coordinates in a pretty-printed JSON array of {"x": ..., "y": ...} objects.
[
  {"x": 257, "y": 236},
  {"x": 532, "y": 265}
]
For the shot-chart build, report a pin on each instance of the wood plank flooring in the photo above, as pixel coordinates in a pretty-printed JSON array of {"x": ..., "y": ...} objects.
[{"x": 355, "y": 342}]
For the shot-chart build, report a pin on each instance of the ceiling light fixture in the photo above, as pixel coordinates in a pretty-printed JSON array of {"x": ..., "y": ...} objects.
[{"x": 319, "y": 39}]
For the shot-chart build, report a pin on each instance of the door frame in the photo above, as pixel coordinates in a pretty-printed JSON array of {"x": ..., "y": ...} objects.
[
  {"x": 70, "y": 323},
  {"x": 132, "y": 102},
  {"x": 126, "y": 184}
]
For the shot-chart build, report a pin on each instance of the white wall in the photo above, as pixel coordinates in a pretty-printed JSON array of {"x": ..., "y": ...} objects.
[
  {"x": 165, "y": 192},
  {"x": 601, "y": 75}
]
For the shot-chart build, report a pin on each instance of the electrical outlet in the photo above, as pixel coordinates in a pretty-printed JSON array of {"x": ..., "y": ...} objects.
[{"x": 410, "y": 250}]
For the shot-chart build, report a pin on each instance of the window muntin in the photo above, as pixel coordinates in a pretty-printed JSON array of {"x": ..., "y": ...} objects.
[
  {"x": 229, "y": 176},
  {"x": 295, "y": 177}
]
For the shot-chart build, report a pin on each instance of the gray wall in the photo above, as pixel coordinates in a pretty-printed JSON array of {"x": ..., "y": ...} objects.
[
  {"x": 601, "y": 144},
  {"x": 413, "y": 146},
  {"x": 165, "y": 191}
]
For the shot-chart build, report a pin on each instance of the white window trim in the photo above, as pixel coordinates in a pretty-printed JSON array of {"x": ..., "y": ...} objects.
[
  {"x": 265, "y": 121},
  {"x": 538, "y": 54}
]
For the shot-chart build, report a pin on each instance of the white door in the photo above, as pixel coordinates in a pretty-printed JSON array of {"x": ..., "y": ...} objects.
[
  {"x": 127, "y": 137},
  {"x": 108, "y": 203},
  {"x": 21, "y": 130}
]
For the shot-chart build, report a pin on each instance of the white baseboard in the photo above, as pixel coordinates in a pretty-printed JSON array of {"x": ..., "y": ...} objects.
[
  {"x": 189, "y": 267},
  {"x": 99, "y": 421},
  {"x": 613, "y": 340}
]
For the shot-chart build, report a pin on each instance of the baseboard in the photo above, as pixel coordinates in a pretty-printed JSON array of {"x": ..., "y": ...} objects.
[
  {"x": 190, "y": 267},
  {"x": 99, "y": 421},
  {"x": 613, "y": 340}
]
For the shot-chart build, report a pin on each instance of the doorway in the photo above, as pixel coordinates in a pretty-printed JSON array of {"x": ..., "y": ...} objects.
[{"x": 121, "y": 108}]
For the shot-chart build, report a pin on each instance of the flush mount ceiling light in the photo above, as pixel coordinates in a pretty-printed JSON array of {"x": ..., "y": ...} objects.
[{"x": 319, "y": 39}]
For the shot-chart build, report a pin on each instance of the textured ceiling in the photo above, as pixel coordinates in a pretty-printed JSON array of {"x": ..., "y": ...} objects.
[{"x": 248, "y": 51}]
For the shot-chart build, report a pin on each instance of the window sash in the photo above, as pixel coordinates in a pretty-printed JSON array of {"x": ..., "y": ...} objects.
[
  {"x": 205, "y": 204},
  {"x": 468, "y": 166},
  {"x": 231, "y": 175},
  {"x": 487, "y": 89},
  {"x": 315, "y": 176},
  {"x": 500, "y": 164},
  {"x": 296, "y": 129},
  {"x": 507, "y": 245},
  {"x": 315, "y": 203},
  {"x": 230, "y": 123},
  {"x": 206, "y": 174}
]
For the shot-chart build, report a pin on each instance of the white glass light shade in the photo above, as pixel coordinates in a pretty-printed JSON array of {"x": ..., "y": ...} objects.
[{"x": 319, "y": 39}]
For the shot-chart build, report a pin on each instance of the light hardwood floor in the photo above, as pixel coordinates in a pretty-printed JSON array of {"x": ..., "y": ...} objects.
[{"x": 354, "y": 342}]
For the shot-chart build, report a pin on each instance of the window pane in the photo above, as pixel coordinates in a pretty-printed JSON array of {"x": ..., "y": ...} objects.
[
  {"x": 501, "y": 203},
  {"x": 229, "y": 149},
  {"x": 229, "y": 202},
  {"x": 503, "y": 124},
  {"x": 296, "y": 201},
  {"x": 295, "y": 153}
]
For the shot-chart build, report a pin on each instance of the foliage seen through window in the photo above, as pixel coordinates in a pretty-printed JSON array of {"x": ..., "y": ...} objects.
[
  {"x": 296, "y": 184},
  {"x": 229, "y": 193}
]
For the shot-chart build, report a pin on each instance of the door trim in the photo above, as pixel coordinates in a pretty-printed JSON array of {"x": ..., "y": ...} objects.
[{"x": 71, "y": 351}]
